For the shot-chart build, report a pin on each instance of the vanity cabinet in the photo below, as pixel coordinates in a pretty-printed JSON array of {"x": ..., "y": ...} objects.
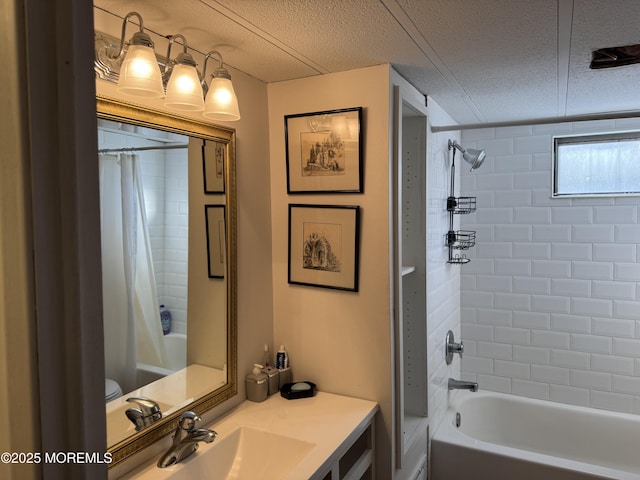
[{"x": 356, "y": 458}]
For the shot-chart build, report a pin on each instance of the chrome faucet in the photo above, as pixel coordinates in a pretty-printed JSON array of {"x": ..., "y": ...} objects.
[
  {"x": 185, "y": 440},
  {"x": 147, "y": 413},
  {"x": 462, "y": 385}
]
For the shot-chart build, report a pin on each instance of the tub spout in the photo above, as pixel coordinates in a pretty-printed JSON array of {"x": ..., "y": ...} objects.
[{"x": 462, "y": 385}]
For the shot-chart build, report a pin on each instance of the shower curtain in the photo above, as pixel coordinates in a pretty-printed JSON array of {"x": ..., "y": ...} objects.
[{"x": 132, "y": 328}]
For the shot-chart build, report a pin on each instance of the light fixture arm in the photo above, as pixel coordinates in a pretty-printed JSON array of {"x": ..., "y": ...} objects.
[
  {"x": 172, "y": 38},
  {"x": 207, "y": 57},
  {"x": 138, "y": 35},
  {"x": 219, "y": 72},
  {"x": 183, "y": 57}
]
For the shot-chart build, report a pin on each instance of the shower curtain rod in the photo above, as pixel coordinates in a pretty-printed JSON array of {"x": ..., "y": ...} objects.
[
  {"x": 540, "y": 121},
  {"x": 138, "y": 149}
]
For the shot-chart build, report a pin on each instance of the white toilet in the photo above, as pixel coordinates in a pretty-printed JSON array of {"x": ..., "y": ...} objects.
[{"x": 112, "y": 390}]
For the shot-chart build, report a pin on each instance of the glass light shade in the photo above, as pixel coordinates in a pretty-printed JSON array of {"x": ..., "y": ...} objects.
[
  {"x": 221, "y": 102},
  {"x": 184, "y": 91},
  {"x": 140, "y": 73}
]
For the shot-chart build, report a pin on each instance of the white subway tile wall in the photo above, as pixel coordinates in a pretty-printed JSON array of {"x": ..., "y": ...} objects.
[
  {"x": 443, "y": 279},
  {"x": 164, "y": 179},
  {"x": 550, "y": 303}
]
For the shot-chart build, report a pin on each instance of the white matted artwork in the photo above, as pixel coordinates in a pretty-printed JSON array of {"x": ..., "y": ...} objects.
[
  {"x": 213, "y": 154},
  {"x": 324, "y": 246},
  {"x": 324, "y": 151},
  {"x": 216, "y": 240}
]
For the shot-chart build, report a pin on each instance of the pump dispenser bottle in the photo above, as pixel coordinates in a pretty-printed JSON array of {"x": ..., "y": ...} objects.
[
  {"x": 282, "y": 364},
  {"x": 256, "y": 384},
  {"x": 282, "y": 358}
]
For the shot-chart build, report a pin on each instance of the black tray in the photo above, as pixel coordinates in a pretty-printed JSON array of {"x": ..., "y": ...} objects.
[{"x": 289, "y": 394}]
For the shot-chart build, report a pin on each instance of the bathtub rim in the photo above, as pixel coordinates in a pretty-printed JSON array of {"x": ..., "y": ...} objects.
[{"x": 448, "y": 433}]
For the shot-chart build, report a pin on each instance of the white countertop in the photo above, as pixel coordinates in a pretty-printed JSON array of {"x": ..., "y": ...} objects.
[{"x": 326, "y": 420}]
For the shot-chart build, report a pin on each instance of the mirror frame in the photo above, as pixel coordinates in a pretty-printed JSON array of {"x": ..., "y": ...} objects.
[{"x": 119, "y": 111}]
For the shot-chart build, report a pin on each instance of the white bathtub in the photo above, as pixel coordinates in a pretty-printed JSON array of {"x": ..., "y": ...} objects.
[
  {"x": 175, "y": 345},
  {"x": 509, "y": 437}
]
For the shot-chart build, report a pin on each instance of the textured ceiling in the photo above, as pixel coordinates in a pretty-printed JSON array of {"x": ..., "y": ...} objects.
[{"x": 481, "y": 60}]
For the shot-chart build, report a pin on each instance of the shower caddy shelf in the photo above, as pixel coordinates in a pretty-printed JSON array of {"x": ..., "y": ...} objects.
[
  {"x": 458, "y": 239},
  {"x": 461, "y": 239},
  {"x": 461, "y": 205}
]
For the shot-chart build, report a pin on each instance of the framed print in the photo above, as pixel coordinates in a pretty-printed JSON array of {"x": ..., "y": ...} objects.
[
  {"x": 324, "y": 246},
  {"x": 216, "y": 243},
  {"x": 213, "y": 166},
  {"x": 324, "y": 151}
]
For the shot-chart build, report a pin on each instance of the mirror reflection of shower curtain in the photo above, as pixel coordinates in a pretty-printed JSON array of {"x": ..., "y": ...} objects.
[{"x": 132, "y": 328}]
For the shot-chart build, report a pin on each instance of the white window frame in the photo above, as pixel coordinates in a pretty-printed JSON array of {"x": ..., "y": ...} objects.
[{"x": 590, "y": 138}]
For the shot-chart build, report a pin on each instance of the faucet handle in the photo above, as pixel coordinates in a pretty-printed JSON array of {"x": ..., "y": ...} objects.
[
  {"x": 188, "y": 421},
  {"x": 452, "y": 347},
  {"x": 146, "y": 405}
]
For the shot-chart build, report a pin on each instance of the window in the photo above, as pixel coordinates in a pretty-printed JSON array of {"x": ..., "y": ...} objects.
[{"x": 592, "y": 165}]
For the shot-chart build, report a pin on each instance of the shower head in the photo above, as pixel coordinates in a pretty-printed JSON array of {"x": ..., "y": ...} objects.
[{"x": 472, "y": 156}]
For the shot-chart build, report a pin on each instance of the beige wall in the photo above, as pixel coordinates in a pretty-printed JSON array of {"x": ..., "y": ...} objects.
[{"x": 339, "y": 340}]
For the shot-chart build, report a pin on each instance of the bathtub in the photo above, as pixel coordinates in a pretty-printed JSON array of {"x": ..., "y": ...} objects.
[
  {"x": 175, "y": 345},
  {"x": 508, "y": 437}
]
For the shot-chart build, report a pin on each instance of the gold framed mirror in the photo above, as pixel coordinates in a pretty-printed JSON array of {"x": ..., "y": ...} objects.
[{"x": 209, "y": 375}]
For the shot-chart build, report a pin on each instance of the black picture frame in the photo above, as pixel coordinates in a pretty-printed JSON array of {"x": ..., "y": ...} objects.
[
  {"x": 324, "y": 151},
  {"x": 216, "y": 229},
  {"x": 213, "y": 166},
  {"x": 324, "y": 246}
]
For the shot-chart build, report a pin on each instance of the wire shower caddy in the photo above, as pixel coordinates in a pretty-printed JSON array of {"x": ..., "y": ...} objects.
[{"x": 458, "y": 239}]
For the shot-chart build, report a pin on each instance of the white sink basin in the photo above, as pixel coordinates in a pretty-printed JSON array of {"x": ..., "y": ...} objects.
[{"x": 243, "y": 454}]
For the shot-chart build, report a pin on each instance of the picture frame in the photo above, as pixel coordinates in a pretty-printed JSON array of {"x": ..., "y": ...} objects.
[
  {"x": 324, "y": 246},
  {"x": 324, "y": 151},
  {"x": 215, "y": 221},
  {"x": 213, "y": 165}
]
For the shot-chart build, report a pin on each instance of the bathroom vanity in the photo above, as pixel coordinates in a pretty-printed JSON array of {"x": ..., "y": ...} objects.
[{"x": 325, "y": 437}]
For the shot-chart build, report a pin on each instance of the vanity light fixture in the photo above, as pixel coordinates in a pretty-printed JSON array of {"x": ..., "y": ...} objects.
[
  {"x": 184, "y": 91},
  {"x": 139, "y": 72},
  {"x": 221, "y": 102}
]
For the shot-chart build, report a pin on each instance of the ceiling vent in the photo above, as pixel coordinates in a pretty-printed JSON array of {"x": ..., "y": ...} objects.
[{"x": 615, "y": 56}]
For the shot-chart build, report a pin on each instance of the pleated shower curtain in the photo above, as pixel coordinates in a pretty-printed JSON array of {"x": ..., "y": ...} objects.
[{"x": 132, "y": 328}]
